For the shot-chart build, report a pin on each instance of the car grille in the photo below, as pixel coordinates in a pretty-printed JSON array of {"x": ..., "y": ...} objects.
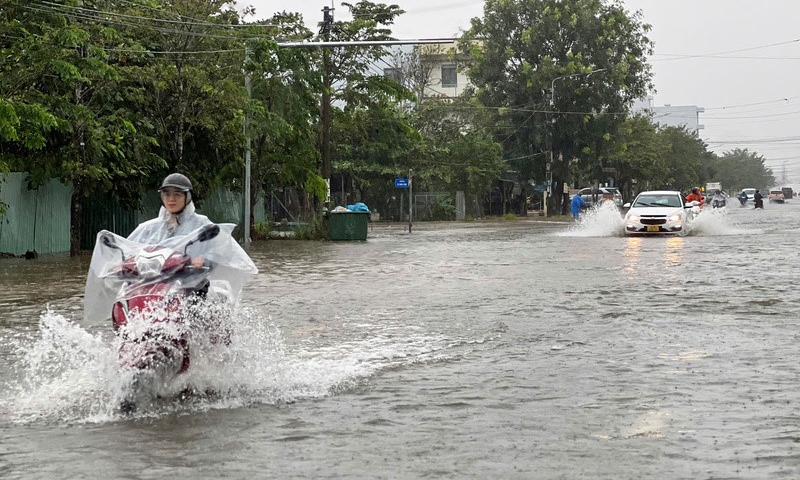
[{"x": 653, "y": 220}]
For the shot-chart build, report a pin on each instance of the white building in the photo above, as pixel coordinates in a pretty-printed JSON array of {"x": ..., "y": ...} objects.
[
  {"x": 431, "y": 70},
  {"x": 672, "y": 115}
]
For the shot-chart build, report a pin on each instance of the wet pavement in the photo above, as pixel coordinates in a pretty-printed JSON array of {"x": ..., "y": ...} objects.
[{"x": 525, "y": 349}]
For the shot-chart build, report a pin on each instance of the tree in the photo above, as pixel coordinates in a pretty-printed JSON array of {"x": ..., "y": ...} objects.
[
  {"x": 349, "y": 81},
  {"x": 586, "y": 57},
  {"x": 640, "y": 156},
  {"x": 59, "y": 71},
  {"x": 284, "y": 112},
  {"x": 685, "y": 158},
  {"x": 462, "y": 153},
  {"x": 740, "y": 168},
  {"x": 186, "y": 78}
]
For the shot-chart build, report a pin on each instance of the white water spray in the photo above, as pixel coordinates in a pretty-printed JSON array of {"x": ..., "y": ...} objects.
[
  {"x": 603, "y": 220},
  {"x": 65, "y": 374},
  {"x": 714, "y": 222}
]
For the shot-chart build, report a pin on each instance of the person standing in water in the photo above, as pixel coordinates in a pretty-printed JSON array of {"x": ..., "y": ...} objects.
[{"x": 577, "y": 205}]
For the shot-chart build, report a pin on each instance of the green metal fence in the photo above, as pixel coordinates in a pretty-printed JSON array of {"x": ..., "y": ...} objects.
[
  {"x": 40, "y": 219},
  {"x": 35, "y": 220}
]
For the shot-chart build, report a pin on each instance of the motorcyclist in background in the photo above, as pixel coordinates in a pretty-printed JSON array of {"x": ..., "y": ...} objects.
[
  {"x": 177, "y": 216},
  {"x": 758, "y": 199},
  {"x": 718, "y": 200},
  {"x": 742, "y": 198}
]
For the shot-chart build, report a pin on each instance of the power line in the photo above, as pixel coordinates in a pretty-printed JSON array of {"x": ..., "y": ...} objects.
[
  {"x": 747, "y": 49},
  {"x": 751, "y": 116},
  {"x": 753, "y": 104}
]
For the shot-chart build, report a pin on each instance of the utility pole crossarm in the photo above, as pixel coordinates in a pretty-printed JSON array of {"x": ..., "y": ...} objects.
[{"x": 365, "y": 43}]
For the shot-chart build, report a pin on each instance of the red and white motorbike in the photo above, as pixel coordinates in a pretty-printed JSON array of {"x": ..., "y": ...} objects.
[{"x": 162, "y": 301}]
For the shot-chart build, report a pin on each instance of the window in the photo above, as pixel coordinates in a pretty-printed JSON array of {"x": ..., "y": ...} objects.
[
  {"x": 394, "y": 74},
  {"x": 449, "y": 77}
]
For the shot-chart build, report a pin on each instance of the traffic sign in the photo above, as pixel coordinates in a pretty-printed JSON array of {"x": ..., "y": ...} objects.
[{"x": 400, "y": 183}]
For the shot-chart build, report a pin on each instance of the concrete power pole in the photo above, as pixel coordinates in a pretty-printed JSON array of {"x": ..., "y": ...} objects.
[{"x": 325, "y": 134}]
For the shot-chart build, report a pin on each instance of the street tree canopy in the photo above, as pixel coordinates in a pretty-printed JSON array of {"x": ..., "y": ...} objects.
[{"x": 585, "y": 57}]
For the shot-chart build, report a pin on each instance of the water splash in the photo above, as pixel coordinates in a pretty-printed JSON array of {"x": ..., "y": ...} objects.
[
  {"x": 603, "y": 220},
  {"x": 65, "y": 374},
  {"x": 714, "y": 222}
]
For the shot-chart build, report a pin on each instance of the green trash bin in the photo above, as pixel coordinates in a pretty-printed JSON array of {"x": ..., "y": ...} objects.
[{"x": 348, "y": 225}]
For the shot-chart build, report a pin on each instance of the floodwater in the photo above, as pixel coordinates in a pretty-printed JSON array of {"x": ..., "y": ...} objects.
[{"x": 526, "y": 349}]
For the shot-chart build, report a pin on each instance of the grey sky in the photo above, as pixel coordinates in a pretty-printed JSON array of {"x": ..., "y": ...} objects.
[{"x": 739, "y": 59}]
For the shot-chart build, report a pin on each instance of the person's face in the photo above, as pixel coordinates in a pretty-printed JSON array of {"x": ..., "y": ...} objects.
[{"x": 173, "y": 200}]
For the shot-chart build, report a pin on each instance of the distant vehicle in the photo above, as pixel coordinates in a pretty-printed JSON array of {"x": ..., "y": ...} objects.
[
  {"x": 710, "y": 195},
  {"x": 750, "y": 192},
  {"x": 589, "y": 195},
  {"x": 776, "y": 196},
  {"x": 659, "y": 212},
  {"x": 711, "y": 188},
  {"x": 788, "y": 193},
  {"x": 718, "y": 200}
]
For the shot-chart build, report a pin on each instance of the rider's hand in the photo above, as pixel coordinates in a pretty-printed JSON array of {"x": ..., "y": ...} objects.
[{"x": 198, "y": 262}]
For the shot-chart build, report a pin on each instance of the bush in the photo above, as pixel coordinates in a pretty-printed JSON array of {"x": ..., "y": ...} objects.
[{"x": 261, "y": 231}]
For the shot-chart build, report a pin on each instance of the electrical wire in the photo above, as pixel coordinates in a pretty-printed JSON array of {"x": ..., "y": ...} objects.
[{"x": 752, "y": 104}]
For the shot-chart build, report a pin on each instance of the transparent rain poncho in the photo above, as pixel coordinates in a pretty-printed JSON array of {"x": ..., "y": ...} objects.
[
  {"x": 166, "y": 225},
  {"x": 230, "y": 266}
]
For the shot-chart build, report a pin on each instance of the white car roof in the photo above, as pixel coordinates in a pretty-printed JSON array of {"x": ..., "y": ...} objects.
[{"x": 660, "y": 192}]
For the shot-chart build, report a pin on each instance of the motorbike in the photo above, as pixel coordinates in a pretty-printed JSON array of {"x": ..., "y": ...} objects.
[
  {"x": 742, "y": 200},
  {"x": 161, "y": 300},
  {"x": 718, "y": 202}
]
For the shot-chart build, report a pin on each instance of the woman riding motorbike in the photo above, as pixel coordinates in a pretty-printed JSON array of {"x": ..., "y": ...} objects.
[{"x": 177, "y": 216}]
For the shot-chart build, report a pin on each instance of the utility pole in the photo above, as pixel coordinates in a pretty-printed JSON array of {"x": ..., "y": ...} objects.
[
  {"x": 248, "y": 86},
  {"x": 410, "y": 197},
  {"x": 325, "y": 134}
]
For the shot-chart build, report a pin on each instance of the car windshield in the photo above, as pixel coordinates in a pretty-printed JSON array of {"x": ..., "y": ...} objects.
[{"x": 657, "y": 201}]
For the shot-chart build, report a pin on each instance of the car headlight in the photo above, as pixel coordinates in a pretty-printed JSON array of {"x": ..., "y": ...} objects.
[
  {"x": 676, "y": 217},
  {"x": 632, "y": 218}
]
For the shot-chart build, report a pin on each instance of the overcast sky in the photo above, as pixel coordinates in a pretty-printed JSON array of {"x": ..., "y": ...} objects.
[{"x": 738, "y": 59}]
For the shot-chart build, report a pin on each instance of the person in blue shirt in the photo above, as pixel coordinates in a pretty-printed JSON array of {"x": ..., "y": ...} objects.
[{"x": 577, "y": 205}]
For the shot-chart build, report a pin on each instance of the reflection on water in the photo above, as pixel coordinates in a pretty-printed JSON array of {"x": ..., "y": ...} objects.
[
  {"x": 632, "y": 255},
  {"x": 673, "y": 254}
]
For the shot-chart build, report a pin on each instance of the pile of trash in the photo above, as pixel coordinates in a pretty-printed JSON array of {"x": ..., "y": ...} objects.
[{"x": 356, "y": 207}]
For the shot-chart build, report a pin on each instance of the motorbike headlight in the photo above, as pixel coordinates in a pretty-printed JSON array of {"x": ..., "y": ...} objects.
[{"x": 676, "y": 217}]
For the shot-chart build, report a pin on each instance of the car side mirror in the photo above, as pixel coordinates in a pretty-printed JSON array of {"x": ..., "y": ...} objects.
[{"x": 626, "y": 205}]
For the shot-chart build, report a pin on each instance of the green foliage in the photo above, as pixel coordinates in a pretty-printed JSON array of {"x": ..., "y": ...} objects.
[
  {"x": 261, "y": 230},
  {"x": 740, "y": 168},
  {"x": 316, "y": 229},
  {"x": 536, "y": 58}
]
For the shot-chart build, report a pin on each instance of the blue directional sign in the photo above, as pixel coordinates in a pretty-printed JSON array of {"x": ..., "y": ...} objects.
[{"x": 400, "y": 183}]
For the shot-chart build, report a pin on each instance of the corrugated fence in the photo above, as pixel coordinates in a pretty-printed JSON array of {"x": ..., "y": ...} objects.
[
  {"x": 35, "y": 220},
  {"x": 49, "y": 206}
]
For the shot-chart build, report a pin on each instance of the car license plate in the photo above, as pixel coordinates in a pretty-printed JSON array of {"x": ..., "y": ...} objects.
[{"x": 653, "y": 228}]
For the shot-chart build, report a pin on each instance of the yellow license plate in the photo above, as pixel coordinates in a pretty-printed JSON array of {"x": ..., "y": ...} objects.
[{"x": 653, "y": 228}]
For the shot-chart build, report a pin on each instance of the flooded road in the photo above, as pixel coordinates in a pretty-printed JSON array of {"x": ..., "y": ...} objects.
[{"x": 474, "y": 350}]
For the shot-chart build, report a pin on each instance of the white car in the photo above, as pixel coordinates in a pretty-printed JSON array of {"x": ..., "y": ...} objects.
[{"x": 658, "y": 212}]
